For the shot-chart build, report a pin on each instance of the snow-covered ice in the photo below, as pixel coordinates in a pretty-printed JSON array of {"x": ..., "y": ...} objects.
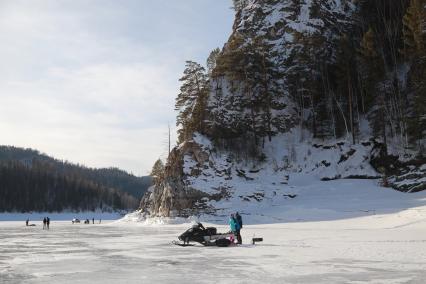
[
  {"x": 359, "y": 234},
  {"x": 62, "y": 216},
  {"x": 341, "y": 231}
]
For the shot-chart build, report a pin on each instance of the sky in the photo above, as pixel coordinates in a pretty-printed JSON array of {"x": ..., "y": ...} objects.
[{"x": 94, "y": 82}]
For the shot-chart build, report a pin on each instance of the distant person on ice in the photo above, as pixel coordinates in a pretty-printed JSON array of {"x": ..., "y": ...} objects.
[
  {"x": 48, "y": 222},
  {"x": 240, "y": 225},
  {"x": 44, "y": 223},
  {"x": 27, "y": 221},
  {"x": 235, "y": 227}
]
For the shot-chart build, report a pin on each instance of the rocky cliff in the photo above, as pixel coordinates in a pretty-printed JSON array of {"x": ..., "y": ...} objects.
[{"x": 311, "y": 88}]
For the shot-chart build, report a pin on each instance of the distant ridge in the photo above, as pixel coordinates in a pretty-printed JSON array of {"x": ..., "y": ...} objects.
[
  {"x": 30, "y": 180},
  {"x": 110, "y": 177}
]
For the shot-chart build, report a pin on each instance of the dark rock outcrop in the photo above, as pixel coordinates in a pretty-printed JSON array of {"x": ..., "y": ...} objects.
[{"x": 171, "y": 196}]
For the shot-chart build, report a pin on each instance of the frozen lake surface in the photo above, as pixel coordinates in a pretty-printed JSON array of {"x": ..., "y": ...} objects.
[
  {"x": 34, "y": 217},
  {"x": 389, "y": 248}
]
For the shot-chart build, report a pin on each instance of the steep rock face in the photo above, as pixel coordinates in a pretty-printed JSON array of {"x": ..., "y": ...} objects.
[
  {"x": 296, "y": 42},
  {"x": 205, "y": 180},
  {"x": 172, "y": 195},
  {"x": 292, "y": 39}
]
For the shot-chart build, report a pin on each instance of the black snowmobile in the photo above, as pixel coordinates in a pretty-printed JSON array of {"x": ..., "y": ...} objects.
[{"x": 205, "y": 236}]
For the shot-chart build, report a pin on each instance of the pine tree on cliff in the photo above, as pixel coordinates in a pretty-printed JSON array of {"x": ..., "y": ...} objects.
[
  {"x": 415, "y": 49},
  {"x": 226, "y": 102},
  {"x": 232, "y": 62},
  {"x": 191, "y": 101},
  {"x": 212, "y": 60},
  {"x": 239, "y": 4},
  {"x": 304, "y": 78},
  {"x": 345, "y": 72},
  {"x": 371, "y": 73},
  {"x": 247, "y": 64},
  {"x": 157, "y": 171},
  {"x": 262, "y": 79},
  {"x": 415, "y": 28}
]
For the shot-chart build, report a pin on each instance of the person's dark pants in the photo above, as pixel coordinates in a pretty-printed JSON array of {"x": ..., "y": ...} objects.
[{"x": 238, "y": 235}]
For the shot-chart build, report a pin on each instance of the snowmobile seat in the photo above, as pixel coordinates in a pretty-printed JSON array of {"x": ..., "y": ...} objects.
[
  {"x": 223, "y": 242},
  {"x": 211, "y": 231}
]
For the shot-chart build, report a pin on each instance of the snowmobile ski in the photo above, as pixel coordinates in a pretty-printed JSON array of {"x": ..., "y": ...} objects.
[{"x": 182, "y": 244}]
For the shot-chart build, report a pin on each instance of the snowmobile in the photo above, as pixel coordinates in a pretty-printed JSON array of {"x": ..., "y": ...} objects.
[{"x": 205, "y": 236}]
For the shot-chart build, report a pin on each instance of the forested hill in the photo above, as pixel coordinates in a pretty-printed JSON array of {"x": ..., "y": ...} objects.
[
  {"x": 329, "y": 70},
  {"x": 338, "y": 69},
  {"x": 31, "y": 181},
  {"x": 109, "y": 177}
]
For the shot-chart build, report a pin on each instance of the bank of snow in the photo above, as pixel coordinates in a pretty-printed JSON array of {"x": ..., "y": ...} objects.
[
  {"x": 305, "y": 199},
  {"x": 141, "y": 218}
]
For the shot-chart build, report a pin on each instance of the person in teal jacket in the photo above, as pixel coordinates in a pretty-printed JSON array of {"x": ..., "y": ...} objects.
[
  {"x": 235, "y": 227},
  {"x": 233, "y": 223}
]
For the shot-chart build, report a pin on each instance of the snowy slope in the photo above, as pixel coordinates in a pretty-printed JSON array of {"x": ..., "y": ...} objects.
[
  {"x": 288, "y": 187},
  {"x": 290, "y": 168}
]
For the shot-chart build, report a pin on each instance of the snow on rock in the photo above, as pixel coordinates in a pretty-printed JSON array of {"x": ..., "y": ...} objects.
[
  {"x": 203, "y": 179},
  {"x": 295, "y": 181}
]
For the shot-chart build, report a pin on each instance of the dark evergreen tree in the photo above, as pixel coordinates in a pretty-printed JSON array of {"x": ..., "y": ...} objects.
[
  {"x": 239, "y": 4},
  {"x": 415, "y": 50},
  {"x": 414, "y": 30},
  {"x": 371, "y": 74},
  {"x": 191, "y": 101},
  {"x": 157, "y": 171},
  {"x": 212, "y": 60},
  {"x": 226, "y": 102}
]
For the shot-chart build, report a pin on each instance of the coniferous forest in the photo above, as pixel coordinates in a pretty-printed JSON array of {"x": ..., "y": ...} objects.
[
  {"x": 345, "y": 70},
  {"x": 30, "y": 181}
]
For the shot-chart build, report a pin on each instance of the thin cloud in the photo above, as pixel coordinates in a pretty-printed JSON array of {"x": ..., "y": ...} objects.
[{"x": 94, "y": 82}]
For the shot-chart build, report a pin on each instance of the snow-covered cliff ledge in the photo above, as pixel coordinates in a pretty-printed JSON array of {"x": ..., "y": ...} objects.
[{"x": 202, "y": 180}]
